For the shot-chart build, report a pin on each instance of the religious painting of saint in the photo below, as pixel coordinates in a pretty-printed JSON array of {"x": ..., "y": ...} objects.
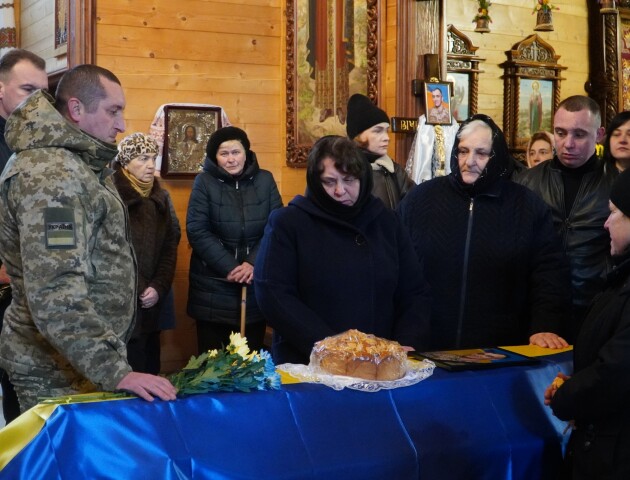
[
  {"x": 461, "y": 94},
  {"x": 187, "y": 132},
  {"x": 535, "y": 107},
  {"x": 332, "y": 64}
]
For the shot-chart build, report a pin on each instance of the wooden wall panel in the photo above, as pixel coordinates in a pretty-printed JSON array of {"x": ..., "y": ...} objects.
[
  {"x": 231, "y": 53},
  {"x": 513, "y": 21},
  {"x": 228, "y": 53}
]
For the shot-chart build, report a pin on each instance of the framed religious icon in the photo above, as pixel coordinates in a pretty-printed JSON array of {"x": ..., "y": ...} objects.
[
  {"x": 331, "y": 55},
  {"x": 437, "y": 103},
  {"x": 531, "y": 91},
  {"x": 61, "y": 26},
  {"x": 535, "y": 107},
  {"x": 462, "y": 66},
  {"x": 187, "y": 130}
]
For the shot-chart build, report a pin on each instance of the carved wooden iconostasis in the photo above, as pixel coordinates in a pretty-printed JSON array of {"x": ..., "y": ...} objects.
[
  {"x": 609, "y": 56},
  {"x": 531, "y": 92},
  {"x": 462, "y": 67}
]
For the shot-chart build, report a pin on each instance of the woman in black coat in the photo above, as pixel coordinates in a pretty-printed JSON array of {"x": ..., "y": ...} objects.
[
  {"x": 368, "y": 126},
  {"x": 154, "y": 236},
  {"x": 337, "y": 259},
  {"x": 596, "y": 399},
  {"x": 227, "y": 213},
  {"x": 497, "y": 271}
]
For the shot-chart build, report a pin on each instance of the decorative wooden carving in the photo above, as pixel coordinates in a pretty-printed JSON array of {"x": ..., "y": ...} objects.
[
  {"x": 606, "y": 74},
  {"x": 462, "y": 59},
  {"x": 298, "y": 153},
  {"x": 532, "y": 63},
  {"x": 420, "y": 34}
]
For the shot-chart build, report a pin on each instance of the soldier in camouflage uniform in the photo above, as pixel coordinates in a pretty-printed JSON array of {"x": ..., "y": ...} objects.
[{"x": 65, "y": 242}]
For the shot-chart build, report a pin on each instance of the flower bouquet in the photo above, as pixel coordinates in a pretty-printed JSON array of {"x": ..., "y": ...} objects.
[
  {"x": 234, "y": 368},
  {"x": 544, "y": 5},
  {"x": 483, "y": 12}
]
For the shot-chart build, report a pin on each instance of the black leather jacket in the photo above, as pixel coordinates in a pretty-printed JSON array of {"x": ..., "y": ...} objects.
[
  {"x": 585, "y": 240},
  {"x": 391, "y": 182}
]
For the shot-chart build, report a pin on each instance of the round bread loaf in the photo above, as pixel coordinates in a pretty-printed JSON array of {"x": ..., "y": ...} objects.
[{"x": 357, "y": 354}]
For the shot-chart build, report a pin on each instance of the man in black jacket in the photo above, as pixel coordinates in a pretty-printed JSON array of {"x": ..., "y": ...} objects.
[
  {"x": 576, "y": 185},
  {"x": 21, "y": 73}
]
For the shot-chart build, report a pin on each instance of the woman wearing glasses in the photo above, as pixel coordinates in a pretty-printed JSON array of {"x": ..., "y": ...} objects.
[
  {"x": 336, "y": 259},
  {"x": 496, "y": 268}
]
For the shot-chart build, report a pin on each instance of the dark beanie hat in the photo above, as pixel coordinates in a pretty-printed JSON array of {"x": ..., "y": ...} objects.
[
  {"x": 362, "y": 114},
  {"x": 620, "y": 192},
  {"x": 225, "y": 134}
]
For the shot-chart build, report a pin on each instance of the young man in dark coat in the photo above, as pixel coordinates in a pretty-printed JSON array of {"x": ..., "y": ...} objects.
[
  {"x": 596, "y": 398},
  {"x": 21, "y": 73},
  {"x": 576, "y": 185},
  {"x": 497, "y": 272}
]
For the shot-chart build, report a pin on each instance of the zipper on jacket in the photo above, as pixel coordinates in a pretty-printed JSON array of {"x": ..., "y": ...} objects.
[
  {"x": 388, "y": 186},
  {"x": 243, "y": 242},
  {"x": 462, "y": 295}
]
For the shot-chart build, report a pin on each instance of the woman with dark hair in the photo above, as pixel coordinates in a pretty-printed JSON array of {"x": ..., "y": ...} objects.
[
  {"x": 617, "y": 143},
  {"x": 227, "y": 212},
  {"x": 337, "y": 259}
]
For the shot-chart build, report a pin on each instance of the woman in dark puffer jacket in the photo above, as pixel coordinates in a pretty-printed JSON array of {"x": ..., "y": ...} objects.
[{"x": 227, "y": 213}]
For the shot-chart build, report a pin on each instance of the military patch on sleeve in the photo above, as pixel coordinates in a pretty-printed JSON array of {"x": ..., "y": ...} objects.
[{"x": 60, "y": 228}]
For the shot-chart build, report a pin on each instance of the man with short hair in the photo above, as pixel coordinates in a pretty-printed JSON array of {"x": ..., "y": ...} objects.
[
  {"x": 65, "y": 241},
  {"x": 439, "y": 113},
  {"x": 21, "y": 73},
  {"x": 576, "y": 185}
]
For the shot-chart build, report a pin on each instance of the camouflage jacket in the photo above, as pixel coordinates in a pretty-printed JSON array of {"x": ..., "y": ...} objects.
[{"x": 65, "y": 242}]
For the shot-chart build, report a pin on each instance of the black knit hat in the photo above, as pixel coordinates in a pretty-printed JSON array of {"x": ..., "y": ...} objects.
[
  {"x": 363, "y": 114},
  {"x": 225, "y": 134},
  {"x": 620, "y": 192}
]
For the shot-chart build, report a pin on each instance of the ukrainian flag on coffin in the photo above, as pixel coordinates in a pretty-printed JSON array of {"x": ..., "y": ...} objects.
[{"x": 26, "y": 450}]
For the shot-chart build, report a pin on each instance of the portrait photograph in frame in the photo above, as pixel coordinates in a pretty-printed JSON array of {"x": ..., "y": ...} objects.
[
  {"x": 535, "y": 108},
  {"x": 437, "y": 98},
  {"x": 187, "y": 130},
  {"x": 460, "y": 100},
  {"x": 325, "y": 66}
]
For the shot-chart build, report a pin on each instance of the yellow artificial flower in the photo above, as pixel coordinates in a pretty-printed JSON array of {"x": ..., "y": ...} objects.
[
  {"x": 213, "y": 353},
  {"x": 239, "y": 344}
]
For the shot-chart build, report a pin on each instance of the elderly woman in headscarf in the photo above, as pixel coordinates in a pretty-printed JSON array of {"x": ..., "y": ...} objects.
[
  {"x": 338, "y": 259},
  {"x": 497, "y": 271},
  {"x": 227, "y": 213},
  {"x": 154, "y": 236}
]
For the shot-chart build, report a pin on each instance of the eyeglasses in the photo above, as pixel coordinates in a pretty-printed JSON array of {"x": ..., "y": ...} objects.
[{"x": 464, "y": 153}]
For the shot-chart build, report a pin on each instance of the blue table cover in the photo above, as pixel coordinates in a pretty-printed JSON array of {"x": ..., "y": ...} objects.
[{"x": 469, "y": 425}]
